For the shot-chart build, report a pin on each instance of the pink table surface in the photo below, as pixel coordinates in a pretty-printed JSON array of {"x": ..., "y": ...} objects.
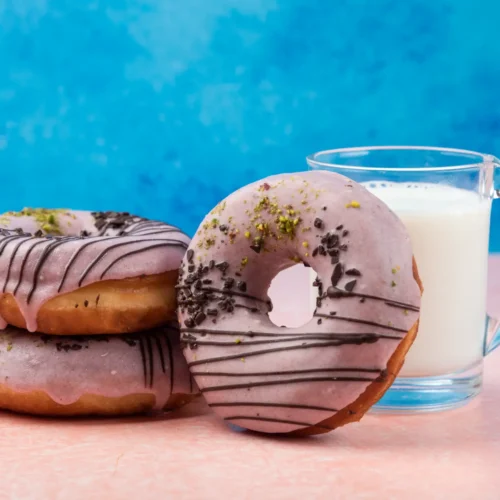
[{"x": 191, "y": 454}]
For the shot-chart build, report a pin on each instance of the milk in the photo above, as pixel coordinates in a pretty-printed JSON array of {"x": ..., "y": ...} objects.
[{"x": 449, "y": 230}]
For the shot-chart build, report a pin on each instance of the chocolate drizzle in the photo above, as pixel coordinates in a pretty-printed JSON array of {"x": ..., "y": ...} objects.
[
  {"x": 362, "y": 322},
  {"x": 11, "y": 261},
  {"x": 23, "y": 264},
  {"x": 151, "y": 360},
  {"x": 277, "y": 420},
  {"x": 264, "y": 383},
  {"x": 171, "y": 362},
  {"x": 110, "y": 248},
  {"x": 43, "y": 258},
  {"x": 348, "y": 338},
  {"x": 169, "y": 243},
  {"x": 272, "y": 405},
  {"x": 144, "y": 361},
  {"x": 325, "y": 335},
  {"x": 367, "y": 339},
  {"x": 286, "y": 372}
]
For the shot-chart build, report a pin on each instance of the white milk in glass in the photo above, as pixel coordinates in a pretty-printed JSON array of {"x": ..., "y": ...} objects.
[{"x": 449, "y": 229}]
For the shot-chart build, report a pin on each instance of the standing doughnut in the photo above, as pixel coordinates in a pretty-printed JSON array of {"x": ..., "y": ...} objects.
[{"x": 331, "y": 370}]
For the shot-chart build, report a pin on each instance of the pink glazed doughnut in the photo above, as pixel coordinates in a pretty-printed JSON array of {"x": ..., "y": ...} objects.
[
  {"x": 65, "y": 272},
  {"x": 93, "y": 375},
  {"x": 331, "y": 370}
]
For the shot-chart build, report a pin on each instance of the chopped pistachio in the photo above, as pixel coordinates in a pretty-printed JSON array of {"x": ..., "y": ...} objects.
[
  {"x": 209, "y": 242},
  {"x": 305, "y": 244},
  {"x": 353, "y": 204},
  {"x": 244, "y": 261},
  {"x": 393, "y": 283},
  {"x": 45, "y": 217}
]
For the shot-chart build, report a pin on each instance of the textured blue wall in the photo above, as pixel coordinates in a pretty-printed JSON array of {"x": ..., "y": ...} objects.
[{"x": 161, "y": 107}]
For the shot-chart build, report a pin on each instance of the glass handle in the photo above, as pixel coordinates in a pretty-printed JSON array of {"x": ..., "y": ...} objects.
[
  {"x": 493, "y": 167},
  {"x": 492, "y": 340}
]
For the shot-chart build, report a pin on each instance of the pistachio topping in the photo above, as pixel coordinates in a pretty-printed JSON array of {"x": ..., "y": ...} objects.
[
  {"x": 46, "y": 218},
  {"x": 353, "y": 204}
]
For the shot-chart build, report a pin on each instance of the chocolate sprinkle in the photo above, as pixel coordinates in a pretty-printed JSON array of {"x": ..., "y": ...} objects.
[
  {"x": 242, "y": 286},
  {"x": 353, "y": 272},
  {"x": 350, "y": 285},
  {"x": 320, "y": 321},
  {"x": 256, "y": 247},
  {"x": 228, "y": 283},
  {"x": 333, "y": 293},
  {"x": 190, "y": 255},
  {"x": 86, "y": 303},
  {"x": 337, "y": 274},
  {"x": 318, "y": 223},
  {"x": 222, "y": 266},
  {"x": 339, "y": 228},
  {"x": 200, "y": 317}
]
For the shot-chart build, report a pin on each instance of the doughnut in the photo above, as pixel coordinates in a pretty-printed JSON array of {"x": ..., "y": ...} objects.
[
  {"x": 104, "y": 375},
  {"x": 330, "y": 371},
  {"x": 65, "y": 272}
]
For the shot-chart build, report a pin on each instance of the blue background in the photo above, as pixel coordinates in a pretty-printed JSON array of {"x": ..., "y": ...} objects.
[{"x": 162, "y": 107}]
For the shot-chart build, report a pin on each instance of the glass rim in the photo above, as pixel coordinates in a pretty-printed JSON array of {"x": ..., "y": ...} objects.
[{"x": 312, "y": 159}]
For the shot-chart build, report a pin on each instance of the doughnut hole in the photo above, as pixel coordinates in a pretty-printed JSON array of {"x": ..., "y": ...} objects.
[{"x": 293, "y": 296}]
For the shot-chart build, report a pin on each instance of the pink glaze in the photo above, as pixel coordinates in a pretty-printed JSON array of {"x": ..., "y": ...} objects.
[
  {"x": 66, "y": 368},
  {"x": 312, "y": 371},
  {"x": 36, "y": 269}
]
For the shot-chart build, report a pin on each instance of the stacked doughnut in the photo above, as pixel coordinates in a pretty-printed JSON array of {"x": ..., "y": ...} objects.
[{"x": 87, "y": 314}]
